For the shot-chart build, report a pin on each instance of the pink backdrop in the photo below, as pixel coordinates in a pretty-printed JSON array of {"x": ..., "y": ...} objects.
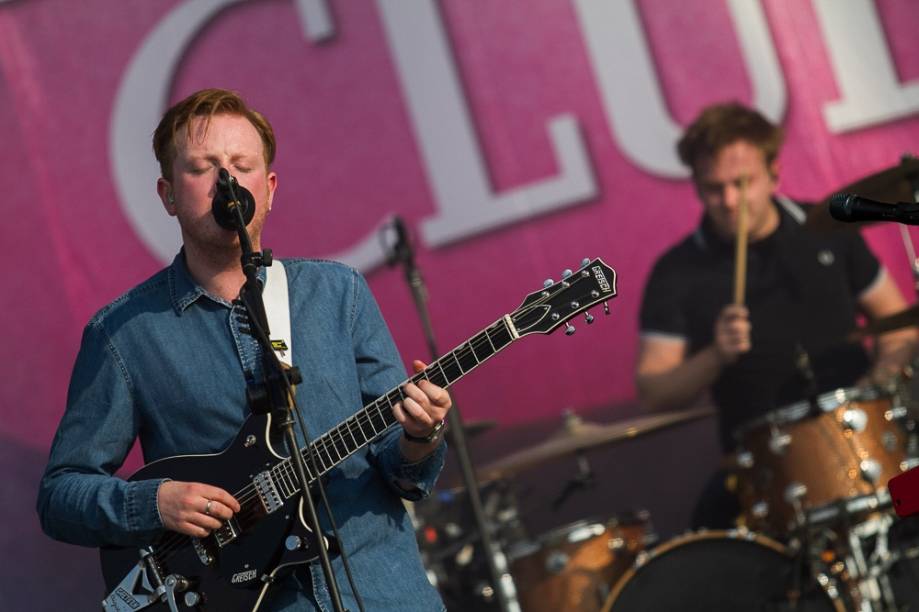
[{"x": 349, "y": 155}]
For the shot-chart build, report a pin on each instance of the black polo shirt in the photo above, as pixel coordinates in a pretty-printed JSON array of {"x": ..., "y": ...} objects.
[{"x": 802, "y": 291}]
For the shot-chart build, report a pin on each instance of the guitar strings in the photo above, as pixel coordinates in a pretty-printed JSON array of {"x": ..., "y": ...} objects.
[{"x": 173, "y": 541}]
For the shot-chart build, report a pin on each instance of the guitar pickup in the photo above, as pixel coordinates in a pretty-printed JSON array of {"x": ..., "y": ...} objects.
[
  {"x": 227, "y": 533},
  {"x": 204, "y": 555},
  {"x": 268, "y": 492}
]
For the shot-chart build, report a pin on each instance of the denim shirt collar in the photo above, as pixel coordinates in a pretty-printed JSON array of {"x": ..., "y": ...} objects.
[{"x": 184, "y": 291}]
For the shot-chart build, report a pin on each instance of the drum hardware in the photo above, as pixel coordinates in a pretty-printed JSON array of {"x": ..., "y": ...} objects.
[
  {"x": 838, "y": 512},
  {"x": 870, "y": 469},
  {"x": 583, "y": 479},
  {"x": 856, "y": 419},
  {"x": 454, "y": 557},
  {"x": 860, "y": 557},
  {"x": 778, "y": 441},
  {"x": 452, "y": 550}
]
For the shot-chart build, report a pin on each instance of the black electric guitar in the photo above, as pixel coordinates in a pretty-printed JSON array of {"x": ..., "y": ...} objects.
[{"x": 232, "y": 569}]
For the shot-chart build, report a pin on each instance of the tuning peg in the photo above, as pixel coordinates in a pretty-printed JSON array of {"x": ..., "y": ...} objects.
[
  {"x": 569, "y": 330},
  {"x": 567, "y": 273},
  {"x": 585, "y": 261},
  {"x": 588, "y": 317},
  {"x": 548, "y": 283},
  {"x": 606, "y": 308}
]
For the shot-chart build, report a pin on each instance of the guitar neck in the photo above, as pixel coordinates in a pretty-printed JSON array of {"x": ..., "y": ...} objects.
[{"x": 374, "y": 419}]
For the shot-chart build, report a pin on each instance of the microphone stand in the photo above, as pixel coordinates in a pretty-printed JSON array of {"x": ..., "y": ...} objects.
[
  {"x": 275, "y": 395},
  {"x": 500, "y": 577},
  {"x": 904, "y": 232}
]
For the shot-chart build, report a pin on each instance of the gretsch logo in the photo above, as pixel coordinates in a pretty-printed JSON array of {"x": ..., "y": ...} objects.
[
  {"x": 601, "y": 279},
  {"x": 127, "y": 598},
  {"x": 240, "y": 577}
]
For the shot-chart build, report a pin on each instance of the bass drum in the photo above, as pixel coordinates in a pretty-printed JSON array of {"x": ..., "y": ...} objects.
[{"x": 720, "y": 571}]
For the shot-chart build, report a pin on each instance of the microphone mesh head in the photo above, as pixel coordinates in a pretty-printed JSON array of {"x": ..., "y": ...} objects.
[{"x": 840, "y": 206}]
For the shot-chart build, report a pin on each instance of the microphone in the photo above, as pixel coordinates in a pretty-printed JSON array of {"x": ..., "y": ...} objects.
[
  {"x": 851, "y": 208},
  {"x": 230, "y": 196},
  {"x": 401, "y": 249}
]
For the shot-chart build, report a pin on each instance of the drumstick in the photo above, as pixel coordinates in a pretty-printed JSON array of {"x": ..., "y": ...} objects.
[{"x": 740, "y": 250}]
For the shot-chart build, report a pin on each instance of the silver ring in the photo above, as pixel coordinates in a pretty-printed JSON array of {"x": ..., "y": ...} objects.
[{"x": 207, "y": 507}]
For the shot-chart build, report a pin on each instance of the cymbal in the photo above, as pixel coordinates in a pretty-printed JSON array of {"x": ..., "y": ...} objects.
[
  {"x": 578, "y": 435},
  {"x": 894, "y": 184},
  {"x": 904, "y": 318}
]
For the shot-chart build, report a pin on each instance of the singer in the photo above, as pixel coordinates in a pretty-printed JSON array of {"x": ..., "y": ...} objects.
[
  {"x": 168, "y": 363},
  {"x": 783, "y": 338}
]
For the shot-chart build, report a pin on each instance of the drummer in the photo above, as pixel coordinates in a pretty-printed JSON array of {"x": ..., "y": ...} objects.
[{"x": 785, "y": 340}]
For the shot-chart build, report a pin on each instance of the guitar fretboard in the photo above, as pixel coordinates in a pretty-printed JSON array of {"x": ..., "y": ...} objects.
[{"x": 369, "y": 423}]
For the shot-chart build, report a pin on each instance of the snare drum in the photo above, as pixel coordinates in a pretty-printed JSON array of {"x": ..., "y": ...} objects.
[
  {"x": 791, "y": 461},
  {"x": 572, "y": 568},
  {"x": 720, "y": 571}
]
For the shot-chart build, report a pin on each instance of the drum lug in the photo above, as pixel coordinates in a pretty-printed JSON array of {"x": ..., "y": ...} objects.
[
  {"x": 895, "y": 414},
  {"x": 889, "y": 440},
  {"x": 616, "y": 543},
  {"x": 745, "y": 460},
  {"x": 829, "y": 585},
  {"x": 795, "y": 492},
  {"x": 854, "y": 419},
  {"x": 556, "y": 562},
  {"x": 870, "y": 469},
  {"x": 760, "y": 509},
  {"x": 778, "y": 442}
]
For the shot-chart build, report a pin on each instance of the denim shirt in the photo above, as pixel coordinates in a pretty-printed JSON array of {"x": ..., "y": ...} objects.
[{"x": 168, "y": 363}]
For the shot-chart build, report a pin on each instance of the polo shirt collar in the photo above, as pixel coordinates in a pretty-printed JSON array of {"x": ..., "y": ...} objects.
[{"x": 791, "y": 215}]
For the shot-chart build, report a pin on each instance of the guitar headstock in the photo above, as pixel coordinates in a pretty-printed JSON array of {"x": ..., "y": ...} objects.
[{"x": 558, "y": 302}]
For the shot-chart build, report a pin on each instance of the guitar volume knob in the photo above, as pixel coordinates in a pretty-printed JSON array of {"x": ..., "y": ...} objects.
[
  {"x": 192, "y": 599},
  {"x": 293, "y": 543}
]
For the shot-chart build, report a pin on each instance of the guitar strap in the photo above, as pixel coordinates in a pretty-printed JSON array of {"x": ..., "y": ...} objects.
[{"x": 277, "y": 309}]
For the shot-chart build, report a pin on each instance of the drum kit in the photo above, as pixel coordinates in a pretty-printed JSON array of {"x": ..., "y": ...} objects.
[{"x": 816, "y": 529}]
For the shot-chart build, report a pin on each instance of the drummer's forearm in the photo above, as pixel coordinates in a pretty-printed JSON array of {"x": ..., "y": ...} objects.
[
  {"x": 681, "y": 385},
  {"x": 894, "y": 351}
]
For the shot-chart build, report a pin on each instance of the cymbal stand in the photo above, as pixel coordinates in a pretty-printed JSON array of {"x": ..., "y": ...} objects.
[
  {"x": 582, "y": 479},
  {"x": 402, "y": 253},
  {"x": 870, "y": 559}
]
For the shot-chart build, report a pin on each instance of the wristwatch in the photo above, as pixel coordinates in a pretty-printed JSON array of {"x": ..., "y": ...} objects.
[{"x": 428, "y": 438}]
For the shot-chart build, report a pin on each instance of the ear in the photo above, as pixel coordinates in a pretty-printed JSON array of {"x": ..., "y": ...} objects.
[
  {"x": 167, "y": 195},
  {"x": 272, "y": 185},
  {"x": 774, "y": 172}
]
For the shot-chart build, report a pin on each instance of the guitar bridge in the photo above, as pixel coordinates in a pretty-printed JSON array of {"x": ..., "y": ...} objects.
[{"x": 267, "y": 491}]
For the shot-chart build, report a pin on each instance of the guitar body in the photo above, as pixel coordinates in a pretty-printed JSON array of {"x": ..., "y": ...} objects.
[{"x": 232, "y": 574}]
